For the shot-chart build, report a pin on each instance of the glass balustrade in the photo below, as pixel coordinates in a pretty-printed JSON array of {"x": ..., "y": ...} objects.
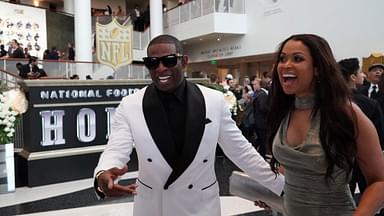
[
  {"x": 66, "y": 69},
  {"x": 197, "y": 8}
]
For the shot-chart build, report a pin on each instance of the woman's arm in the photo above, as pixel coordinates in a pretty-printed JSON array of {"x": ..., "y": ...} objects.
[{"x": 371, "y": 161}]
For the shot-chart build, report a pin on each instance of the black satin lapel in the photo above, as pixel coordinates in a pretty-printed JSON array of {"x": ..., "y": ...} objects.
[
  {"x": 195, "y": 125},
  {"x": 157, "y": 123}
]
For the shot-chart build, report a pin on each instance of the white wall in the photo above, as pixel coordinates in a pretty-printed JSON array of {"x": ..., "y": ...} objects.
[{"x": 352, "y": 27}]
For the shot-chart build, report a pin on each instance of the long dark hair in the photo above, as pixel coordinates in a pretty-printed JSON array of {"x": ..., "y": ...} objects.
[{"x": 337, "y": 127}]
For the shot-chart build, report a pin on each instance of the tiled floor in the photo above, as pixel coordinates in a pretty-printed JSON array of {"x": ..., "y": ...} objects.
[{"x": 78, "y": 198}]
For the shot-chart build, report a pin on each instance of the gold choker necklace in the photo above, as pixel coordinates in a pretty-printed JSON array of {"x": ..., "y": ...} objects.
[{"x": 307, "y": 102}]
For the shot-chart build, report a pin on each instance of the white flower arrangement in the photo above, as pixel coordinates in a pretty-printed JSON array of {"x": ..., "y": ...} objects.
[{"x": 12, "y": 104}]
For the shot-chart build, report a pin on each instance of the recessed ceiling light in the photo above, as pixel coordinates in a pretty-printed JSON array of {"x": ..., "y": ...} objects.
[{"x": 218, "y": 39}]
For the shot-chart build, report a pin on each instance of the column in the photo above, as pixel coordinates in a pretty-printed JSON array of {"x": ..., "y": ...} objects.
[
  {"x": 156, "y": 20},
  {"x": 83, "y": 37},
  {"x": 68, "y": 6}
]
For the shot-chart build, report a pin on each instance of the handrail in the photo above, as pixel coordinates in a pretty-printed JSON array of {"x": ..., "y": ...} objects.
[
  {"x": 9, "y": 80},
  {"x": 64, "y": 69},
  {"x": 11, "y": 74}
]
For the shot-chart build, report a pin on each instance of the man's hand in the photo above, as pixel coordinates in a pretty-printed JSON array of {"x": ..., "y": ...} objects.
[{"x": 106, "y": 183}]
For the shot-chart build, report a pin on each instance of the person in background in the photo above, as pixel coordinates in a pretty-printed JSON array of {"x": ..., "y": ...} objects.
[
  {"x": 71, "y": 52},
  {"x": 214, "y": 82},
  {"x": 26, "y": 53},
  {"x": 136, "y": 18},
  {"x": 317, "y": 133},
  {"x": 15, "y": 51},
  {"x": 372, "y": 89},
  {"x": 31, "y": 70},
  {"x": 353, "y": 75},
  {"x": 53, "y": 54},
  {"x": 175, "y": 126},
  {"x": 3, "y": 52},
  {"x": 261, "y": 106},
  {"x": 45, "y": 54},
  {"x": 74, "y": 77},
  {"x": 108, "y": 12},
  {"x": 247, "y": 119},
  {"x": 119, "y": 11},
  {"x": 228, "y": 82},
  {"x": 267, "y": 79},
  {"x": 181, "y": 2}
]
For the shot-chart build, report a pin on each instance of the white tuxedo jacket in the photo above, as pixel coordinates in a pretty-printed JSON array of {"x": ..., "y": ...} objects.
[{"x": 188, "y": 187}]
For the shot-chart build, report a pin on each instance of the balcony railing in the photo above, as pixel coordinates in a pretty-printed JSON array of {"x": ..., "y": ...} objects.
[
  {"x": 198, "y": 8},
  {"x": 65, "y": 69}
]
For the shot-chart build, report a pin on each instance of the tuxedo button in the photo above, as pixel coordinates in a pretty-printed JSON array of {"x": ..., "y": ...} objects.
[
  {"x": 149, "y": 160},
  {"x": 190, "y": 186},
  {"x": 205, "y": 161}
]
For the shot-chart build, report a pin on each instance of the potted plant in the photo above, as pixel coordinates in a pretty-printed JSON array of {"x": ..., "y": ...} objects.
[{"x": 12, "y": 104}]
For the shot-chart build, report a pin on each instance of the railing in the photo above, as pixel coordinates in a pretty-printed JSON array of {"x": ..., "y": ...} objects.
[
  {"x": 198, "y": 8},
  {"x": 65, "y": 69},
  {"x": 141, "y": 39},
  {"x": 9, "y": 80}
]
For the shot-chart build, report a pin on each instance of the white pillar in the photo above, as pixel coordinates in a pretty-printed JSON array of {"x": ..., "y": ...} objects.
[
  {"x": 68, "y": 6},
  {"x": 83, "y": 37},
  {"x": 156, "y": 17}
]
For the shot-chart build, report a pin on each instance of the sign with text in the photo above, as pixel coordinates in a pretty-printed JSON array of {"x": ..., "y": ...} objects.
[
  {"x": 68, "y": 116},
  {"x": 220, "y": 52},
  {"x": 114, "y": 44}
]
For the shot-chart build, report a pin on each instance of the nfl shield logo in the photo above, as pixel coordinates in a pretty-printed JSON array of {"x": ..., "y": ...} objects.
[{"x": 114, "y": 44}]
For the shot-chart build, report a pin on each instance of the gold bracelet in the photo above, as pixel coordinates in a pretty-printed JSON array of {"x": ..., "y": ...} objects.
[
  {"x": 100, "y": 190},
  {"x": 97, "y": 179},
  {"x": 98, "y": 174}
]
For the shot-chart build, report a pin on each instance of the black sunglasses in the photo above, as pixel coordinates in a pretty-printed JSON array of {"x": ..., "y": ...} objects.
[{"x": 168, "y": 61}]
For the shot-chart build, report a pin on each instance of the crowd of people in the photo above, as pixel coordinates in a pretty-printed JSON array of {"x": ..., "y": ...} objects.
[
  {"x": 16, "y": 50},
  {"x": 33, "y": 70},
  {"x": 250, "y": 106}
]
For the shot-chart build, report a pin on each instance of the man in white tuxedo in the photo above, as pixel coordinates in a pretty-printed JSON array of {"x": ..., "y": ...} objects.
[{"x": 175, "y": 126}]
